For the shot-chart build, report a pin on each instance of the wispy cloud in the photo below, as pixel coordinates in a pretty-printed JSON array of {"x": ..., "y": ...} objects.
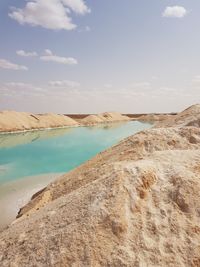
[
  {"x": 174, "y": 12},
  {"x": 55, "y": 15},
  {"x": 16, "y": 89},
  {"x": 24, "y": 86},
  {"x": 49, "y": 56},
  {"x": 64, "y": 83},
  {"x": 5, "y": 64},
  {"x": 126, "y": 99},
  {"x": 78, "y": 6},
  {"x": 22, "y": 53}
]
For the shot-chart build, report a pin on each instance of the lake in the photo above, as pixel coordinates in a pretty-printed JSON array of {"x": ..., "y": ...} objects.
[{"x": 58, "y": 150}]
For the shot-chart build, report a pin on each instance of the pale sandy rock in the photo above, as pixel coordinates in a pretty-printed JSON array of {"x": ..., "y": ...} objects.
[
  {"x": 136, "y": 204},
  {"x": 51, "y": 120},
  {"x": 188, "y": 117},
  {"x": 104, "y": 118},
  {"x": 11, "y": 121},
  {"x": 19, "y": 121},
  {"x": 113, "y": 116},
  {"x": 131, "y": 149},
  {"x": 91, "y": 119},
  {"x": 15, "y": 194},
  {"x": 154, "y": 117}
]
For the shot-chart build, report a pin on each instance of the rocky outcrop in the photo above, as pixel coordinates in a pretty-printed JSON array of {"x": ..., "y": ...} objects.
[
  {"x": 11, "y": 121},
  {"x": 155, "y": 117},
  {"x": 188, "y": 117}
]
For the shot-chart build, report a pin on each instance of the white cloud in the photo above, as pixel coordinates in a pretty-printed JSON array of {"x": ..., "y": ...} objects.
[
  {"x": 78, "y": 6},
  {"x": 82, "y": 100},
  {"x": 51, "y": 14},
  {"x": 64, "y": 83},
  {"x": 20, "y": 89},
  {"x": 21, "y": 85},
  {"x": 49, "y": 56},
  {"x": 5, "y": 64},
  {"x": 48, "y": 52},
  {"x": 174, "y": 12},
  {"x": 22, "y": 53}
]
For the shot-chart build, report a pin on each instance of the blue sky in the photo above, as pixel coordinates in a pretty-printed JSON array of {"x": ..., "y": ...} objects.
[{"x": 94, "y": 56}]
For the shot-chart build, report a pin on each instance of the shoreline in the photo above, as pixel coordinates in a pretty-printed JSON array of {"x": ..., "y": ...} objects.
[
  {"x": 39, "y": 129},
  {"x": 14, "y": 195},
  {"x": 65, "y": 127}
]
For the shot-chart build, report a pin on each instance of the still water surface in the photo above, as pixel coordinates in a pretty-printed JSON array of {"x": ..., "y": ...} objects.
[{"x": 57, "y": 150}]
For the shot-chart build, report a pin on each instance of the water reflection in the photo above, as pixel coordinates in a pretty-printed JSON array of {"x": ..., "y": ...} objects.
[
  {"x": 107, "y": 126},
  {"x": 57, "y": 150},
  {"x": 15, "y": 139}
]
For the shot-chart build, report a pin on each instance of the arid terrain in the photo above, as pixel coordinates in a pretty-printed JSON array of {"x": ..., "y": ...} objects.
[
  {"x": 12, "y": 121},
  {"x": 135, "y": 204}
]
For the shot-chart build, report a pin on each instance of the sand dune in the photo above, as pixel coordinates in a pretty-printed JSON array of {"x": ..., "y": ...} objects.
[
  {"x": 104, "y": 118},
  {"x": 19, "y": 121},
  {"x": 11, "y": 121},
  {"x": 136, "y": 204},
  {"x": 155, "y": 117},
  {"x": 188, "y": 117}
]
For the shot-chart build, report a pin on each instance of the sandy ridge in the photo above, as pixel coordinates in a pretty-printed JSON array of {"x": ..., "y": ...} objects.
[
  {"x": 135, "y": 204},
  {"x": 12, "y": 121}
]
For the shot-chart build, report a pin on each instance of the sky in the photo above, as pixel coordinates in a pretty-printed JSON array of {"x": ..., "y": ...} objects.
[{"x": 75, "y": 56}]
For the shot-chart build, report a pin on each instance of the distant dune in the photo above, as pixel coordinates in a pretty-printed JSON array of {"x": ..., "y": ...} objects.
[
  {"x": 20, "y": 121},
  {"x": 11, "y": 121},
  {"x": 155, "y": 117},
  {"x": 135, "y": 204},
  {"x": 104, "y": 117}
]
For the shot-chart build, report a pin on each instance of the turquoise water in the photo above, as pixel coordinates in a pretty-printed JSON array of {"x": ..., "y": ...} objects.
[{"x": 58, "y": 150}]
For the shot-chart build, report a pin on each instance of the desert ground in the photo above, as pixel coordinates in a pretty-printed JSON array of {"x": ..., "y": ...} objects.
[{"x": 135, "y": 204}]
